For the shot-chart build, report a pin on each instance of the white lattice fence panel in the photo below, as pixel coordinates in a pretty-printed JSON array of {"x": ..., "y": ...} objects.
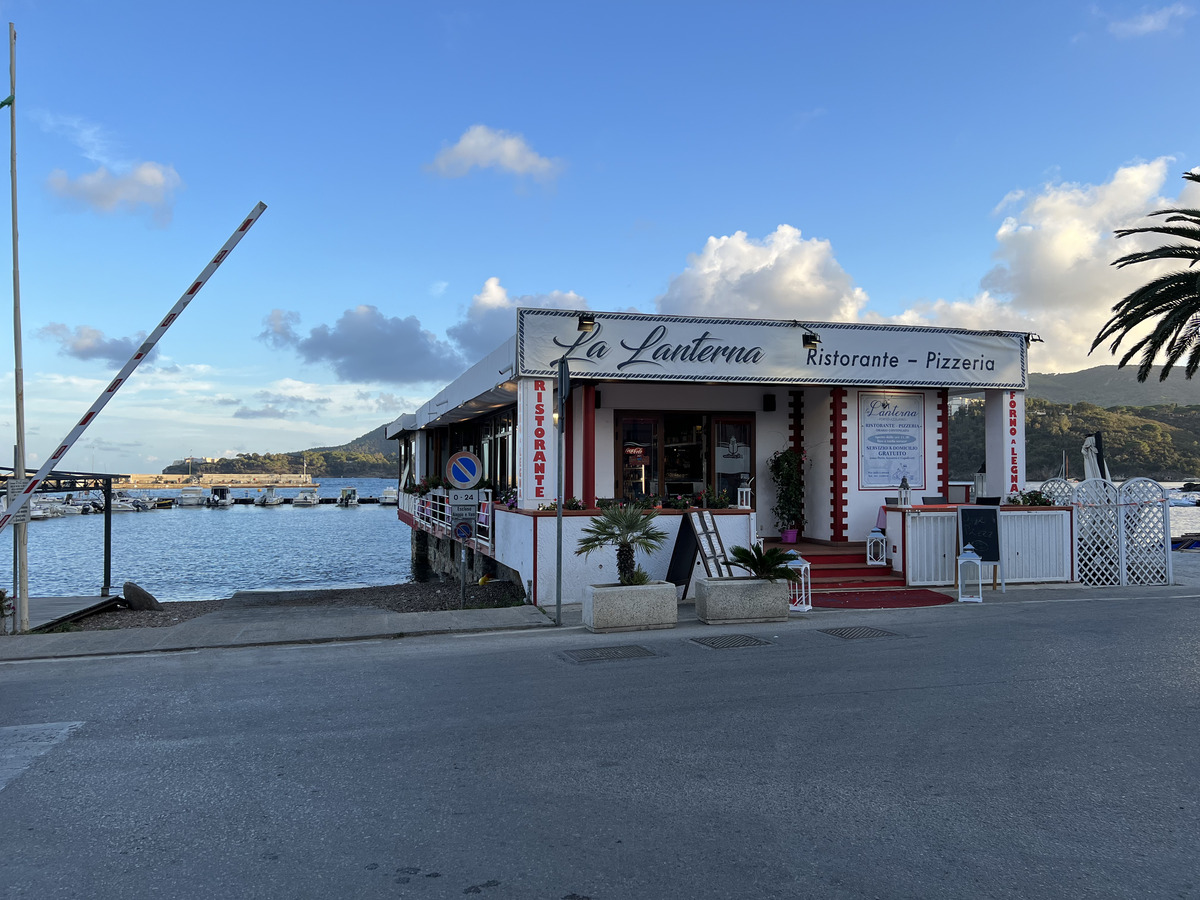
[
  {"x": 1098, "y": 532},
  {"x": 1146, "y": 532},
  {"x": 1058, "y": 491}
]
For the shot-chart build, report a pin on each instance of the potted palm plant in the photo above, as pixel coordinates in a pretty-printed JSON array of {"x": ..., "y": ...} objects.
[
  {"x": 760, "y": 596},
  {"x": 634, "y": 602},
  {"x": 787, "y": 472}
]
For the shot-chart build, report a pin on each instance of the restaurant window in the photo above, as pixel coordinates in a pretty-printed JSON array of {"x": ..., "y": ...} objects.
[
  {"x": 639, "y": 463},
  {"x": 733, "y": 456},
  {"x": 683, "y": 453},
  {"x": 499, "y": 457}
]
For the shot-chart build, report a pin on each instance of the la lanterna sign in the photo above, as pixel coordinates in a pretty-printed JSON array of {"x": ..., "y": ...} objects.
[{"x": 631, "y": 346}]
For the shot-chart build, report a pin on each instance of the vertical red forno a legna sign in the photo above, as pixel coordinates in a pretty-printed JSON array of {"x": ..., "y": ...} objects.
[{"x": 1014, "y": 445}]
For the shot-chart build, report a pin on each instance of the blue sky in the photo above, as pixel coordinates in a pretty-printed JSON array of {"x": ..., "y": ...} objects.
[{"x": 429, "y": 167}]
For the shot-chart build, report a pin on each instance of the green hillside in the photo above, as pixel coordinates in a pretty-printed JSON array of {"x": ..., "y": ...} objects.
[
  {"x": 1108, "y": 386},
  {"x": 368, "y": 456},
  {"x": 1160, "y": 442}
]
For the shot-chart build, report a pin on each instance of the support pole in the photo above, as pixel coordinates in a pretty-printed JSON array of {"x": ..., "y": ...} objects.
[{"x": 20, "y": 529}]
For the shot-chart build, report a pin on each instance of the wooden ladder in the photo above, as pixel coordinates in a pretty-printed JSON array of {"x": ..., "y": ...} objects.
[{"x": 708, "y": 539}]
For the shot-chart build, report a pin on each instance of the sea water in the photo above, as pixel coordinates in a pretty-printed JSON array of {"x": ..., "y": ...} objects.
[{"x": 195, "y": 553}]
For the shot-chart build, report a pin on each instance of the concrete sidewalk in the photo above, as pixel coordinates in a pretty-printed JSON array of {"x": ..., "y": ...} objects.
[
  {"x": 262, "y": 625},
  {"x": 262, "y": 619}
]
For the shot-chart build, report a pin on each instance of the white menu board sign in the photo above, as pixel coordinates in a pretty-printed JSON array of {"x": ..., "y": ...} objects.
[{"x": 891, "y": 439}]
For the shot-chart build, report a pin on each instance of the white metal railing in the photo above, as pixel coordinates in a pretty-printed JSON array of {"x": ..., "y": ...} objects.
[{"x": 432, "y": 512}]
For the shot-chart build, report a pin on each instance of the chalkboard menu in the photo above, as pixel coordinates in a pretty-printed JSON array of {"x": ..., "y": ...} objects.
[{"x": 979, "y": 526}]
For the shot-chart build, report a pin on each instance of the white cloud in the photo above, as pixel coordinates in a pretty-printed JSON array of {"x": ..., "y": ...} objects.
[
  {"x": 783, "y": 276},
  {"x": 1054, "y": 273},
  {"x": 481, "y": 147},
  {"x": 89, "y": 138},
  {"x": 491, "y": 318},
  {"x": 147, "y": 186},
  {"x": 1149, "y": 21}
]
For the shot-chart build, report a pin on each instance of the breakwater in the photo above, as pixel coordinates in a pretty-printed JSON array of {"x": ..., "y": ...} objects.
[{"x": 166, "y": 482}]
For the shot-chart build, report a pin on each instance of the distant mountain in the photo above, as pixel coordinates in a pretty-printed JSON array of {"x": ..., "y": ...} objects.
[
  {"x": 367, "y": 456},
  {"x": 371, "y": 442},
  {"x": 1109, "y": 386}
]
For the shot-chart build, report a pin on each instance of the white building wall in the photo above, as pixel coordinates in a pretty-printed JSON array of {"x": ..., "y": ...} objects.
[
  {"x": 1004, "y": 422},
  {"x": 515, "y": 543},
  {"x": 818, "y": 467},
  {"x": 862, "y": 505}
]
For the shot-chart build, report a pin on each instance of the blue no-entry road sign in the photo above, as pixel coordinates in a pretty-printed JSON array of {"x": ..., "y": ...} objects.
[{"x": 464, "y": 470}]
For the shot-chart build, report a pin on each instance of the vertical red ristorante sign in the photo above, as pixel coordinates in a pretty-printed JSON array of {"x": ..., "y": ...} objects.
[
  {"x": 1014, "y": 449},
  {"x": 539, "y": 438}
]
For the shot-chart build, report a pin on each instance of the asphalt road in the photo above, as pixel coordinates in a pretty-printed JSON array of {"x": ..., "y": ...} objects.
[{"x": 1005, "y": 750}]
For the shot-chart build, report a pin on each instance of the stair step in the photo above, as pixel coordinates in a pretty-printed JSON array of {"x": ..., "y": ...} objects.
[{"x": 850, "y": 571}]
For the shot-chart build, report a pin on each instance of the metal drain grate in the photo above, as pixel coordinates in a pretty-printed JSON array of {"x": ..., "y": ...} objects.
[
  {"x": 600, "y": 654},
  {"x": 858, "y": 631},
  {"x": 730, "y": 641}
]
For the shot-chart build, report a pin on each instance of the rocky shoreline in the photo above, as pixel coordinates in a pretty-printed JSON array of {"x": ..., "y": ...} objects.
[{"x": 408, "y": 597}]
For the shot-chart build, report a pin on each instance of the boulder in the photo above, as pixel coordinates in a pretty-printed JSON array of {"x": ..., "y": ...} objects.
[{"x": 138, "y": 598}]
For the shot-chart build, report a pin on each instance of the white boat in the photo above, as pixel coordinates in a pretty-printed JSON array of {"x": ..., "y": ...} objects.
[
  {"x": 191, "y": 495},
  {"x": 43, "y": 509},
  {"x": 307, "y": 497},
  {"x": 220, "y": 497},
  {"x": 139, "y": 502},
  {"x": 65, "y": 507},
  {"x": 268, "y": 498},
  {"x": 390, "y": 497},
  {"x": 349, "y": 497}
]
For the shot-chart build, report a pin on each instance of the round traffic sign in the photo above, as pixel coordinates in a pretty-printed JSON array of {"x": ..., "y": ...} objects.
[
  {"x": 464, "y": 470},
  {"x": 462, "y": 530}
]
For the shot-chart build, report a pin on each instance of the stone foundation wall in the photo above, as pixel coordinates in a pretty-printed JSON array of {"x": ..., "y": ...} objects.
[{"x": 440, "y": 558}]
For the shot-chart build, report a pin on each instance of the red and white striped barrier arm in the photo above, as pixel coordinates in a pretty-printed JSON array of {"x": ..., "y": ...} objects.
[{"x": 127, "y": 370}]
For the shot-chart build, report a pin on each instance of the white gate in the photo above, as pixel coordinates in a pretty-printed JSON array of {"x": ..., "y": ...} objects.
[{"x": 1122, "y": 535}]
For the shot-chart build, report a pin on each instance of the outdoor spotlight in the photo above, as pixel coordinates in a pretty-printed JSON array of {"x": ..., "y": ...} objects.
[
  {"x": 810, "y": 340},
  {"x": 587, "y": 322}
]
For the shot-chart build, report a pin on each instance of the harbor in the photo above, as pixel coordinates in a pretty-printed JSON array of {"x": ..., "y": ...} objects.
[{"x": 208, "y": 553}]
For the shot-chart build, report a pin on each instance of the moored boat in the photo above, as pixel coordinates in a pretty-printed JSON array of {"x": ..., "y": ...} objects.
[
  {"x": 191, "y": 495},
  {"x": 349, "y": 497},
  {"x": 268, "y": 497},
  {"x": 390, "y": 497},
  {"x": 220, "y": 497},
  {"x": 307, "y": 497}
]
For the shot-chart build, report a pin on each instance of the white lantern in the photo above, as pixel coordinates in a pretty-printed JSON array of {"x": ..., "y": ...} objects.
[
  {"x": 905, "y": 492},
  {"x": 800, "y": 592},
  {"x": 876, "y": 548},
  {"x": 743, "y": 498},
  {"x": 970, "y": 576}
]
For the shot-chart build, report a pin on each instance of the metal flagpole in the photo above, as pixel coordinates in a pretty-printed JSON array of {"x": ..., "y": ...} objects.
[
  {"x": 20, "y": 530},
  {"x": 127, "y": 370}
]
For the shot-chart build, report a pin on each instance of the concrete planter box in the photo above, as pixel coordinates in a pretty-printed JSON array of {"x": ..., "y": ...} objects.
[
  {"x": 630, "y": 607},
  {"x": 724, "y": 601}
]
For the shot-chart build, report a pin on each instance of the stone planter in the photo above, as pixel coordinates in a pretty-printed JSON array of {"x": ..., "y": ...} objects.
[
  {"x": 724, "y": 601},
  {"x": 630, "y": 607}
]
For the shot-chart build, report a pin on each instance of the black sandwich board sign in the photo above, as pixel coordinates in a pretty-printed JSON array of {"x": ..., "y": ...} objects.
[
  {"x": 698, "y": 537},
  {"x": 979, "y": 526}
]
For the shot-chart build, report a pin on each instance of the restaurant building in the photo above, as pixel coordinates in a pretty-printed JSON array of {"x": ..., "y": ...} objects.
[{"x": 680, "y": 409}]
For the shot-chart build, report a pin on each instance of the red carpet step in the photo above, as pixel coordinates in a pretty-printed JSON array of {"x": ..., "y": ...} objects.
[{"x": 893, "y": 599}]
